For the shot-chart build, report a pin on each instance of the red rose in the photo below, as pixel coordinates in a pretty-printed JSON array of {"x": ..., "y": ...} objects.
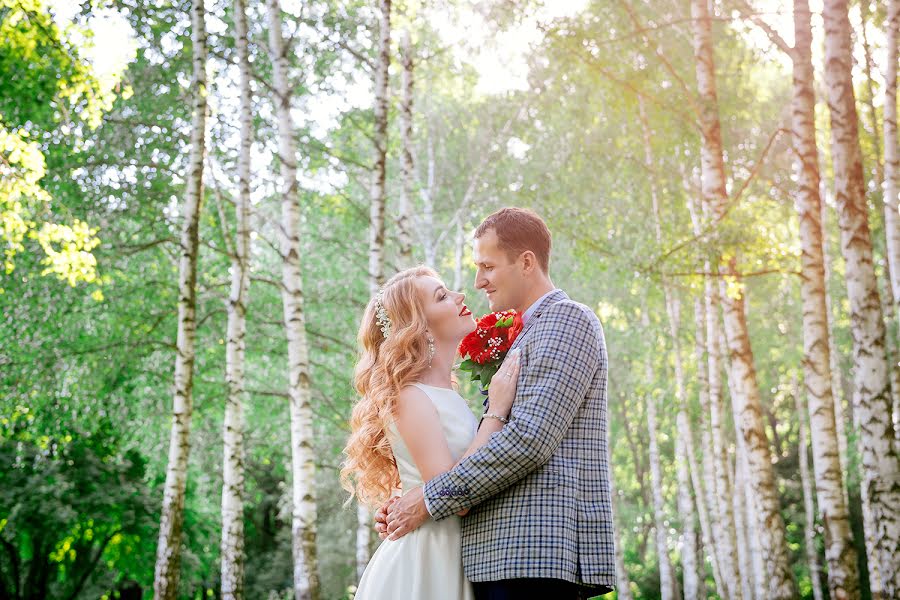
[
  {"x": 485, "y": 348},
  {"x": 516, "y": 328}
]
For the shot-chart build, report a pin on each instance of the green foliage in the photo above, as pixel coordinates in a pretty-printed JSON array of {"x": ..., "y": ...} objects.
[
  {"x": 85, "y": 375},
  {"x": 75, "y": 508}
]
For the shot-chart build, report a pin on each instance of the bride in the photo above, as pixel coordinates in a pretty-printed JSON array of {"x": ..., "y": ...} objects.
[{"x": 412, "y": 425}]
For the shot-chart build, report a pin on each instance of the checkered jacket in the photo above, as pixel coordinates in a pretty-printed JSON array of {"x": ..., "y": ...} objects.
[{"x": 539, "y": 490}]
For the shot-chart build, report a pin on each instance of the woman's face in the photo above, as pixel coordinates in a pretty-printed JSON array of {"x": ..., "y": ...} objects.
[{"x": 449, "y": 319}]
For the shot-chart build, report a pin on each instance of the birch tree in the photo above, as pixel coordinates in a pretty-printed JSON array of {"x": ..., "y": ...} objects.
[
  {"x": 809, "y": 528},
  {"x": 746, "y": 398},
  {"x": 168, "y": 549},
  {"x": 892, "y": 167},
  {"x": 691, "y": 575},
  {"x": 232, "y": 545},
  {"x": 303, "y": 469},
  {"x": 377, "y": 193},
  {"x": 377, "y": 203},
  {"x": 714, "y": 528},
  {"x": 407, "y": 168},
  {"x": 872, "y": 390},
  {"x": 830, "y": 492},
  {"x": 667, "y": 583}
]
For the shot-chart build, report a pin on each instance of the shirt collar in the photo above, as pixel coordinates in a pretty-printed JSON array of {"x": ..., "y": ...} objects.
[{"x": 530, "y": 310}]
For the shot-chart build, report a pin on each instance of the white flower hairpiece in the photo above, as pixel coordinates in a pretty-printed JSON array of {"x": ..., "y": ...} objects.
[{"x": 384, "y": 322}]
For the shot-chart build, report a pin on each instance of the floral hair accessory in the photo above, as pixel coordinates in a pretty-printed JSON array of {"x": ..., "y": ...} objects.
[{"x": 384, "y": 322}]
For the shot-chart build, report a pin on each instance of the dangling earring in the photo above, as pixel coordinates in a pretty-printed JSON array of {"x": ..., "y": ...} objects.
[{"x": 430, "y": 350}]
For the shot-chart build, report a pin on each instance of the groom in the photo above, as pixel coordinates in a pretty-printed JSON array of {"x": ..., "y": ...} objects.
[{"x": 540, "y": 524}]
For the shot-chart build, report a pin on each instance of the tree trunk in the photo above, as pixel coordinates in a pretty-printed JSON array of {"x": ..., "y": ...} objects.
[
  {"x": 168, "y": 550},
  {"x": 892, "y": 168},
  {"x": 667, "y": 583},
  {"x": 713, "y": 529},
  {"x": 690, "y": 571},
  {"x": 623, "y": 584},
  {"x": 843, "y": 576},
  {"x": 757, "y": 574},
  {"x": 428, "y": 205},
  {"x": 377, "y": 210},
  {"x": 746, "y": 508},
  {"x": 809, "y": 529},
  {"x": 869, "y": 102},
  {"x": 706, "y": 502},
  {"x": 459, "y": 248},
  {"x": 364, "y": 520},
  {"x": 407, "y": 175},
  {"x": 872, "y": 390},
  {"x": 232, "y": 546},
  {"x": 760, "y": 473},
  {"x": 377, "y": 196},
  {"x": 837, "y": 376},
  {"x": 726, "y": 537},
  {"x": 744, "y": 524},
  {"x": 303, "y": 470},
  {"x": 748, "y": 420}
]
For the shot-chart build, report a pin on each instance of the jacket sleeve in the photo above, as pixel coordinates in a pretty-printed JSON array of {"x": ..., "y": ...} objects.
[{"x": 559, "y": 360}]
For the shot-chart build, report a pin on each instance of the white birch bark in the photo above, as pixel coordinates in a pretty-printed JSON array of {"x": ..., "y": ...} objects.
[
  {"x": 623, "y": 584},
  {"x": 749, "y": 424},
  {"x": 872, "y": 398},
  {"x": 377, "y": 208},
  {"x": 809, "y": 529},
  {"x": 232, "y": 543},
  {"x": 757, "y": 576},
  {"x": 407, "y": 174},
  {"x": 377, "y": 195},
  {"x": 744, "y": 525},
  {"x": 667, "y": 583},
  {"x": 690, "y": 571},
  {"x": 726, "y": 537},
  {"x": 892, "y": 167},
  {"x": 712, "y": 530},
  {"x": 747, "y": 404},
  {"x": 364, "y": 520},
  {"x": 168, "y": 550},
  {"x": 843, "y": 575},
  {"x": 706, "y": 504},
  {"x": 428, "y": 194},
  {"x": 303, "y": 470},
  {"x": 458, "y": 253},
  {"x": 746, "y": 516},
  {"x": 837, "y": 376}
]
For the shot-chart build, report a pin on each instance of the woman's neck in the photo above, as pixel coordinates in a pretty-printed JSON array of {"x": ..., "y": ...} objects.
[{"x": 438, "y": 374}]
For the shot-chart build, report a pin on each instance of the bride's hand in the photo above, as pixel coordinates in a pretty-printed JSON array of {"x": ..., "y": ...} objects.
[
  {"x": 502, "y": 390},
  {"x": 381, "y": 518}
]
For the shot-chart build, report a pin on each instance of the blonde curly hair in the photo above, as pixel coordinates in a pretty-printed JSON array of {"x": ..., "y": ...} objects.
[{"x": 385, "y": 366}]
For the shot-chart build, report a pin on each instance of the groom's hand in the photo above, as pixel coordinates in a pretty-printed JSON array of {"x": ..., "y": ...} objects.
[{"x": 407, "y": 514}]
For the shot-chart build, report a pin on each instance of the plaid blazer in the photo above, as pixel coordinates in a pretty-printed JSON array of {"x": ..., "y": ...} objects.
[{"x": 539, "y": 490}]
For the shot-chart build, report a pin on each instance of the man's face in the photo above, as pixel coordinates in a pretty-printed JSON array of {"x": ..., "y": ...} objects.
[{"x": 500, "y": 279}]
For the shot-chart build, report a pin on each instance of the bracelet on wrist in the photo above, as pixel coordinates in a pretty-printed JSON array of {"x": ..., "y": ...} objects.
[{"x": 488, "y": 415}]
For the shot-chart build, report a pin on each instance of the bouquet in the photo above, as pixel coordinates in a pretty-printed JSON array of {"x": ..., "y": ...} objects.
[{"x": 485, "y": 348}]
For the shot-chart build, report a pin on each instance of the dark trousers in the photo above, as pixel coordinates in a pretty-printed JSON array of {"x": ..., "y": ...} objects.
[{"x": 522, "y": 589}]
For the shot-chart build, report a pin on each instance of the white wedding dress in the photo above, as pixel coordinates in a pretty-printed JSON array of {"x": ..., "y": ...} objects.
[{"x": 427, "y": 563}]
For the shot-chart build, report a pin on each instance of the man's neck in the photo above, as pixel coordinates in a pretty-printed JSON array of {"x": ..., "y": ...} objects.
[{"x": 537, "y": 292}]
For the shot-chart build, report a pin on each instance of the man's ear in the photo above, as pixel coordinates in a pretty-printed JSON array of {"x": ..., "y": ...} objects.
[{"x": 529, "y": 261}]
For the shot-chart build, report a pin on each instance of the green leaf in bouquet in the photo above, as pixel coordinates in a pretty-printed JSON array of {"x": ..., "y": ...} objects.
[
  {"x": 489, "y": 371},
  {"x": 468, "y": 365}
]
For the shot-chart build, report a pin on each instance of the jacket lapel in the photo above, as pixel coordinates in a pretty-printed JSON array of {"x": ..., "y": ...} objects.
[{"x": 546, "y": 303}]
